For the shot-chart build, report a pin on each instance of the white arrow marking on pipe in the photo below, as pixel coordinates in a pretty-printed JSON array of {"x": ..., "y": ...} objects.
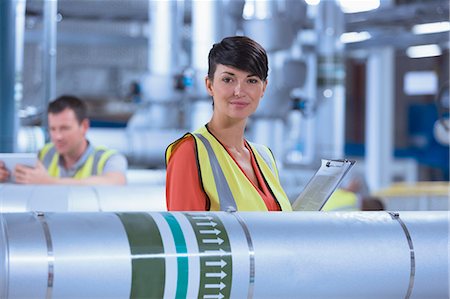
[
  {"x": 202, "y": 217},
  {"x": 222, "y": 263},
  {"x": 210, "y": 231},
  {"x": 215, "y": 296},
  {"x": 216, "y": 274},
  {"x": 213, "y": 241},
  {"x": 220, "y": 285},
  {"x": 211, "y": 223},
  {"x": 220, "y": 252}
]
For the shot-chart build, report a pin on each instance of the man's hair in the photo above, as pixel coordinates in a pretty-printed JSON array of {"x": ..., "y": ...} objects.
[
  {"x": 69, "y": 102},
  {"x": 240, "y": 52}
]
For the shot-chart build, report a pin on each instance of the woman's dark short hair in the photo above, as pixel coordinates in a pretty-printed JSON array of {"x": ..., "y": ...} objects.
[
  {"x": 240, "y": 52},
  {"x": 69, "y": 102}
]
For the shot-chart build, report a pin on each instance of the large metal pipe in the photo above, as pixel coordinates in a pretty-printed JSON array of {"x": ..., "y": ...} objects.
[
  {"x": 53, "y": 198},
  {"x": 224, "y": 255}
]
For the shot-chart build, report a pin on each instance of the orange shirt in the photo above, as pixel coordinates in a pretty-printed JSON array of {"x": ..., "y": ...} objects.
[{"x": 184, "y": 191}]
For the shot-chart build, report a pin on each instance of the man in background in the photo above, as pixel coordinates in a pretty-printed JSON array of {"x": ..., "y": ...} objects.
[{"x": 70, "y": 159}]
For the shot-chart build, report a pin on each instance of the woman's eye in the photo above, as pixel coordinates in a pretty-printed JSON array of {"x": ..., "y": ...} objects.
[
  {"x": 226, "y": 80},
  {"x": 253, "y": 81}
]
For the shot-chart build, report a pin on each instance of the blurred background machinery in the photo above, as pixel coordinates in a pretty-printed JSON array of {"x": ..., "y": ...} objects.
[{"x": 368, "y": 82}]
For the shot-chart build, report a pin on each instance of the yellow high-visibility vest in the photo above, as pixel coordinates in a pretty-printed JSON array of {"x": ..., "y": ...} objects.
[
  {"x": 341, "y": 200},
  {"x": 93, "y": 166},
  {"x": 224, "y": 183}
]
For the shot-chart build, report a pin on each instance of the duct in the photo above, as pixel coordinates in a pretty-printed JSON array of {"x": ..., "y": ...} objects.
[
  {"x": 264, "y": 21},
  {"x": 30, "y": 139},
  {"x": 142, "y": 147},
  {"x": 224, "y": 255},
  {"x": 52, "y": 198}
]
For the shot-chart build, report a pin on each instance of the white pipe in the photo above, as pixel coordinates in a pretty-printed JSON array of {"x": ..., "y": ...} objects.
[
  {"x": 164, "y": 40},
  {"x": 49, "y": 53},
  {"x": 224, "y": 255},
  {"x": 52, "y": 198},
  {"x": 379, "y": 141}
]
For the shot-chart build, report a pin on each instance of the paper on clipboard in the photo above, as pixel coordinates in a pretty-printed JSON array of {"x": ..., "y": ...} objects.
[{"x": 322, "y": 185}]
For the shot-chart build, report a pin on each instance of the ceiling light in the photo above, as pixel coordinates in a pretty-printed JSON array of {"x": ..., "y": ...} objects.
[
  {"x": 354, "y": 37},
  {"x": 352, "y": 6},
  {"x": 312, "y": 2},
  {"x": 431, "y": 28},
  {"x": 423, "y": 51}
]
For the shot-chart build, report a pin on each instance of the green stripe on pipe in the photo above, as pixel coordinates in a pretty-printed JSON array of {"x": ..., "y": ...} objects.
[
  {"x": 148, "y": 262},
  {"x": 182, "y": 259},
  {"x": 216, "y": 264}
]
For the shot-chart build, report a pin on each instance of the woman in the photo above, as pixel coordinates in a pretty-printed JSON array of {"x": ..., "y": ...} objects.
[{"x": 215, "y": 168}]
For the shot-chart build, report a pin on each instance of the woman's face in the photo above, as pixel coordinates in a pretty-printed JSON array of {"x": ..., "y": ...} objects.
[{"x": 236, "y": 93}]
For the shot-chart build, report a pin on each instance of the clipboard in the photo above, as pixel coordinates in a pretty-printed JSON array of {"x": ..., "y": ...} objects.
[{"x": 322, "y": 185}]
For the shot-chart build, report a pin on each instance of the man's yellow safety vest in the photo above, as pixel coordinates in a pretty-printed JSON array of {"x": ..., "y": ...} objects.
[
  {"x": 341, "y": 200},
  {"x": 93, "y": 166},
  {"x": 224, "y": 183}
]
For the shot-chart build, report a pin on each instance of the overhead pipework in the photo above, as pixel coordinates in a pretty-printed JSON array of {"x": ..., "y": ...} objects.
[
  {"x": 274, "y": 25},
  {"x": 224, "y": 255},
  {"x": 160, "y": 96}
]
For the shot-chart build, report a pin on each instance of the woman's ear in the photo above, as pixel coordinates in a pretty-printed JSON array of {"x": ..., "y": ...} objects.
[
  {"x": 264, "y": 87},
  {"x": 208, "y": 84}
]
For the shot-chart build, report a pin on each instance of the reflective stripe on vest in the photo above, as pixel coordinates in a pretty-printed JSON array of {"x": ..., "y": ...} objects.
[
  {"x": 93, "y": 166},
  {"x": 223, "y": 181},
  {"x": 226, "y": 199},
  {"x": 262, "y": 150}
]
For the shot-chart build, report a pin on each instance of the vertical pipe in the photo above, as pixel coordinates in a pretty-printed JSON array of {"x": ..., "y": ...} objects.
[
  {"x": 49, "y": 55},
  {"x": 8, "y": 111},
  {"x": 379, "y": 118},
  {"x": 206, "y": 30},
  {"x": 164, "y": 39},
  {"x": 331, "y": 80},
  {"x": 20, "y": 44}
]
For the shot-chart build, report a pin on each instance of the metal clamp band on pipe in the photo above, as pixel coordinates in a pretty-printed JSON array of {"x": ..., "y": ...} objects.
[
  {"x": 395, "y": 216},
  {"x": 210, "y": 255},
  {"x": 50, "y": 256},
  {"x": 251, "y": 253}
]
